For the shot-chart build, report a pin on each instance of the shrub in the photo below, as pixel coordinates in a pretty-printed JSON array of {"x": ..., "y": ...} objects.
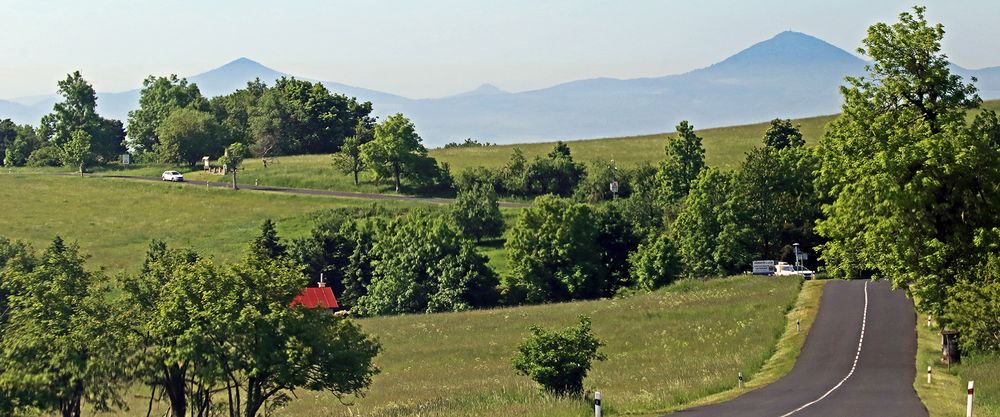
[
  {"x": 559, "y": 360},
  {"x": 46, "y": 156},
  {"x": 477, "y": 213},
  {"x": 655, "y": 264}
]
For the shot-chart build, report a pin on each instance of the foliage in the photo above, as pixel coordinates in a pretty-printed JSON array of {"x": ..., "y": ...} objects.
[
  {"x": 685, "y": 159},
  {"x": 972, "y": 308},
  {"x": 158, "y": 99},
  {"x": 78, "y": 112},
  {"x": 616, "y": 239},
  {"x": 46, "y": 156},
  {"x": 267, "y": 349},
  {"x": 267, "y": 245},
  {"x": 233, "y": 158},
  {"x": 476, "y": 213},
  {"x": 186, "y": 135},
  {"x": 395, "y": 149},
  {"x": 783, "y": 134},
  {"x": 349, "y": 160},
  {"x": 468, "y": 143},
  {"x": 421, "y": 263},
  {"x": 77, "y": 152},
  {"x": 559, "y": 360},
  {"x": 553, "y": 253},
  {"x": 19, "y": 146},
  {"x": 557, "y": 174},
  {"x": 596, "y": 185},
  {"x": 59, "y": 349},
  {"x": 911, "y": 187},
  {"x": 655, "y": 263},
  {"x": 202, "y": 328},
  {"x": 774, "y": 201},
  {"x": 706, "y": 230}
]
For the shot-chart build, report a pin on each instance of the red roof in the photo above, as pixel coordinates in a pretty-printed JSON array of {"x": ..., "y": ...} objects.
[{"x": 316, "y": 297}]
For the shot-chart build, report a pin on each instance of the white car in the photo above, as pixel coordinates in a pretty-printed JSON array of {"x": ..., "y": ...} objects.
[
  {"x": 787, "y": 269},
  {"x": 172, "y": 176}
]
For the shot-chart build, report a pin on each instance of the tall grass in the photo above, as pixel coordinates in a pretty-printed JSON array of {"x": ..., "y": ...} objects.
[{"x": 664, "y": 349}]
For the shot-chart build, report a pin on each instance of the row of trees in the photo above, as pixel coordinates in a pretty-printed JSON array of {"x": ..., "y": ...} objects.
[
  {"x": 175, "y": 124},
  {"x": 209, "y": 338},
  {"x": 73, "y": 134}
]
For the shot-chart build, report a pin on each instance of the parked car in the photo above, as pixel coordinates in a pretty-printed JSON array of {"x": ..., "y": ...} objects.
[
  {"x": 172, "y": 176},
  {"x": 784, "y": 268}
]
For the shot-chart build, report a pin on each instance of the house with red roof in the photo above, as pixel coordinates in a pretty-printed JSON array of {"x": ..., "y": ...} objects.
[{"x": 317, "y": 297}]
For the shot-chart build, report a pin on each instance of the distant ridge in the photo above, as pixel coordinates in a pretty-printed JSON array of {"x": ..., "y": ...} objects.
[{"x": 790, "y": 75}]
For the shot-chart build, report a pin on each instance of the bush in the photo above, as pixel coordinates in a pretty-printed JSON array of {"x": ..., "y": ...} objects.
[
  {"x": 554, "y": 255},
  {"x": 46, "y": 156},
  {"x": 477, "y": 213},
  {"x": 559, "y": 361},
  {"x": 655, "y": 264},
  {"x": 973, "y": 307}
]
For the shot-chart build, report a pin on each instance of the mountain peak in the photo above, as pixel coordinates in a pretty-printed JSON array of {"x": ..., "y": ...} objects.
[
  {"x": 234, "y": 75},
  {"x": 790, "y": 48},
  {"x": 483, "y": 90}
]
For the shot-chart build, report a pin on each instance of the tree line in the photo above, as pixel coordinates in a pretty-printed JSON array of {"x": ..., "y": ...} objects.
[{"x": 207, "y": 338}]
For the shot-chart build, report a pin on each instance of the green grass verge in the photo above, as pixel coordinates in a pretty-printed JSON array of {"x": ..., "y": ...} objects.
[
  {"x": 946, "y": 396},
  {"x": 786, "y": 352},
  {"x": 114, "y": 220}
]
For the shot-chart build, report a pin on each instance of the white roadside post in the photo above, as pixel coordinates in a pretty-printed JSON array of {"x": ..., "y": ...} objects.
[
  {"x": 597, "y": 404},
  {"x": 928, "y": 374},
  {"x": 798, "y": 325},
  {"x": 740, "y": 376},
  {"x": 968, "y": 407}
]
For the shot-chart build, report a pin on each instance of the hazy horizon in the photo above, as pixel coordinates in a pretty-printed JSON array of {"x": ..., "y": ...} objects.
[{"x": 435, "y": 48}]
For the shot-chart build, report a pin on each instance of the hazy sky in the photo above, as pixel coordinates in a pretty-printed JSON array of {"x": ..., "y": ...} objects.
[{"x": 429, "y": 48}]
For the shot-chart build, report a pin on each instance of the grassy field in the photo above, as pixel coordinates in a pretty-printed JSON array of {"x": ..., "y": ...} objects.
[
  {"x": 946, "y": 395},
  {"x": 114, "y": 220},
  {"x": 665, "y": 349}
]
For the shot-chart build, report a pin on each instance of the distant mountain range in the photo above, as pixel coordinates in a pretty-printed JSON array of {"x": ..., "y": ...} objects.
[{"x": 790, "y": 75}]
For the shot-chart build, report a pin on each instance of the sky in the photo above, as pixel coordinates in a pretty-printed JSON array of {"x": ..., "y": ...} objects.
[{"x": 433, "y": 48}]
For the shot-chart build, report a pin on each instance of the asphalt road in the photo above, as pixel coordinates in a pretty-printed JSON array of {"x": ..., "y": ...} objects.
[
  {"x": 858, "y": 360},
  {"x": 309, "y": 191}
]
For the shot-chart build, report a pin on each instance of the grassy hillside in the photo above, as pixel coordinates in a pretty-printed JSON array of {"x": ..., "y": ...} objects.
[
  {"x": 664, "y": 349},
  {"x": 114, "y": 220}
]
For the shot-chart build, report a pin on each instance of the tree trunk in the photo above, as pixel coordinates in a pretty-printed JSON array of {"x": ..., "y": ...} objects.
[
  {"x": 174, "y": 386},
  {"x": 395, "y": 176},
  {"x": 70, "y": 407},
  {"x": 234, "y": 180},
  {"x": 81, "y": 170},
  {"x": 355, "y": 177}
]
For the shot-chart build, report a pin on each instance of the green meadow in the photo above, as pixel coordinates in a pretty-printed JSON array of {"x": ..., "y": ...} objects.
[
  {"x": 665, "y": 350},
  {"x": 113, "y": 220}
]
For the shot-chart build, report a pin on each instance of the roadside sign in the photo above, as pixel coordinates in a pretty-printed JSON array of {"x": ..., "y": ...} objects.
[
  {"x": 126, "y": 159},
  {"x": 614, "y": 187}
]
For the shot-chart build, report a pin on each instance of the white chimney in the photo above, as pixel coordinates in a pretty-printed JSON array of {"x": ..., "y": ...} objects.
[{"x": 322, "y": 283}]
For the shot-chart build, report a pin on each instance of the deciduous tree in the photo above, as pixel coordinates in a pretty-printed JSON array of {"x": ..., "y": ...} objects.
[{"x": 685, "y": 159}]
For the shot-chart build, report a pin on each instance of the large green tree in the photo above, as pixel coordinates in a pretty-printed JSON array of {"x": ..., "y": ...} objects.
[
  {"x": 709, "y": 237},
  {"x": 186, "y": 135},
  {"x": 554, "y": 254},
  {"x": 783, "y": 134},
  {"x": 421, "y": 263},
  {"x": 684, "y": 160},
  {"x": 160, "y": 96},
  {"x": 78, "y": 112},
  {"x": 395, "y": 149},
  {"x": 476, "y": 212},
  {"x": 78, "y": 152},
  {"x": 349, "y": 160},
  {"x": 59, "y": 348},
  {"x": 913, "y": 190}
]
